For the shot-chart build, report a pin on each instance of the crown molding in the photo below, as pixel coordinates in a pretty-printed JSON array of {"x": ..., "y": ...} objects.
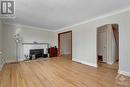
[
  {"x": 76, "y": 24},
  {"x": 31, "y": 27},
  {"x": 96, "y": 18}
]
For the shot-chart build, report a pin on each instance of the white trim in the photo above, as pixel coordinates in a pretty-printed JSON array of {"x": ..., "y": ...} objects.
[
  {"x": 10, "y": 61},
  {"x": 83, "y": 62},
  {"x": 124, "y": 73},
  {"x": 32, "y": 27},
  {"x": 110, "y": 63},
  {"x": 96, "y": 18}
]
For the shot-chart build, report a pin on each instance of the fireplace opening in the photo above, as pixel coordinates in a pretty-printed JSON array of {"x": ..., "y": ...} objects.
[{"x": 36, "y": 53}]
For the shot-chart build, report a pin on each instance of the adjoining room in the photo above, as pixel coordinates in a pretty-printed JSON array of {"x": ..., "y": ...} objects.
[
  {"x": 108, "y": 46},
  {"x": 65, "y": 43}
]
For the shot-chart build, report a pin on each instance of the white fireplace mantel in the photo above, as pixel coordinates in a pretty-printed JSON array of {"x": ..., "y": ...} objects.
[{"x": 26, "y": 47}]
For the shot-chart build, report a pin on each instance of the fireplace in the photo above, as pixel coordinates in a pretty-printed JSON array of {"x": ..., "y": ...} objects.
[
  {"x": 36, "y": 53},
  {"x": 28, "y": 51}
]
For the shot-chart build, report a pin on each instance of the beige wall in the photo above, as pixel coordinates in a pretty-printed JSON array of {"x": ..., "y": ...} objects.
[
  {"x": 85, "y": 40},
  {"x": 28, "y": 34},
  {"x": 65, "y": 42}
]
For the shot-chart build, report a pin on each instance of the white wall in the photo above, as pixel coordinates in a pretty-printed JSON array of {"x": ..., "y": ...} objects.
[
  {"x": 65, "y": 42},
  {"x": 2, "y": 62},
  {"x": 84, "y": 40},
  {"x": 0, "y": 36},
  {"x": 0, "y": 45},
  {"x": 28, "y": 34},
  {"x": 9, "y": 46},
  {"x": 41, "y": 36}
]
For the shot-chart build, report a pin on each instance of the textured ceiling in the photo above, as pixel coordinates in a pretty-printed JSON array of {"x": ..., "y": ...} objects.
[{"x": 57, "y": 14}]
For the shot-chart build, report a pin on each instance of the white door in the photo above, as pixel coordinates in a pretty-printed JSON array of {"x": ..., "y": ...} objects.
[{"x": 102, "y": 43}]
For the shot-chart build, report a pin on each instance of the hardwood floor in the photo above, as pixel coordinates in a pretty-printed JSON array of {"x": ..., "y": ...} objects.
[
  {"x": 113, "y": 66},
  {"x": 58, "y": 72}
]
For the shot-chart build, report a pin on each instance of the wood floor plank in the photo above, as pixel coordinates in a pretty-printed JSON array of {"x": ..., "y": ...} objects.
[{"x": 59, "y": 72}]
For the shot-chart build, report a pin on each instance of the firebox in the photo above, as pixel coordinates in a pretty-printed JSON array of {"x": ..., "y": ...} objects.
[{"x": 36, "y": 53}]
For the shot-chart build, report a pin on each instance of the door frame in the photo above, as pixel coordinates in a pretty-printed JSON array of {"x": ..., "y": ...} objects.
[{"x": 59, "y": 45}]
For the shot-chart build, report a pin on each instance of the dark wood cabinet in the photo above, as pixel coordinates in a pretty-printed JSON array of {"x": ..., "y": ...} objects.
[{"x": 52, "y": 52}]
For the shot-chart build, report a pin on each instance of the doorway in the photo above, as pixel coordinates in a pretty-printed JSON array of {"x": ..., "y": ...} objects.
[
  {"x": 108, "y": 46},
  {"x": 65, "y": 44}
]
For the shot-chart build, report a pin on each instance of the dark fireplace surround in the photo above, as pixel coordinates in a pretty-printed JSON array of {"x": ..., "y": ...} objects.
[{"x": 38, "y": 53}]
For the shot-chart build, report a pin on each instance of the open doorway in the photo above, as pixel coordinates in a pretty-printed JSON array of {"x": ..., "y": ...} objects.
[
  {"x": 65, "y": 44},
  {"x": 108, "y": 46}
]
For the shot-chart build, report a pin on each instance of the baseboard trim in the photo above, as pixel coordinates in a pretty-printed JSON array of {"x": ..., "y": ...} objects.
[
  {"x": 10, "y": 61},
  {"x": 124, "y": 73},
  {"x": 110, "y": 63},
  {"x": 83, "y": 62}
]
